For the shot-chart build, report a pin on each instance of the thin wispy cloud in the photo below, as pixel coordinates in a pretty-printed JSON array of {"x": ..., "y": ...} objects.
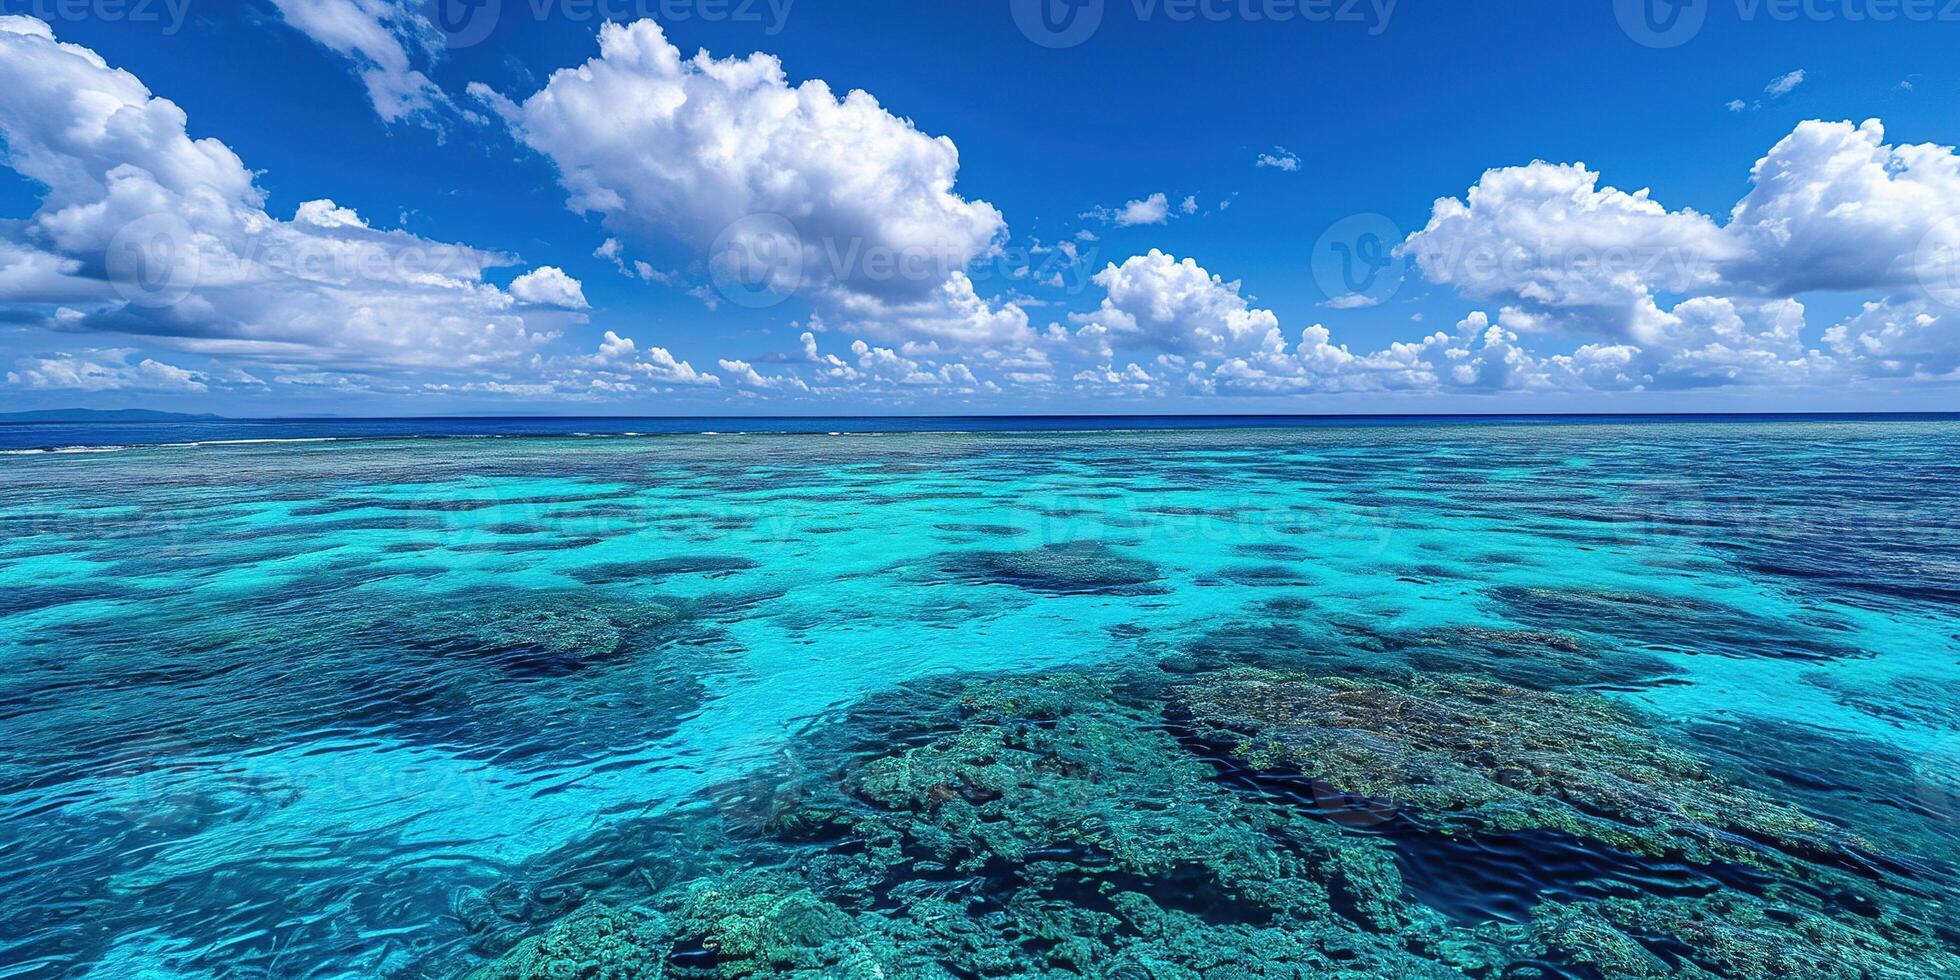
[
  {"x": 1783, "y": 85},
  {"x": 1777, "y": 88},
  {"x": 1279, "y": 158}
]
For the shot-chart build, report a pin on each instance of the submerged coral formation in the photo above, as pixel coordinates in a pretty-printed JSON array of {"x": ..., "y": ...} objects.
[
  {"x": 1241, "y": 822},
  {"x": 1075, "y": 568},
  {"x": 1687, "y": 623},
  {"x": 1289, "y": 635},
  {"x": 548, "y": 632},
  {"x": 1477, "y": 755}
]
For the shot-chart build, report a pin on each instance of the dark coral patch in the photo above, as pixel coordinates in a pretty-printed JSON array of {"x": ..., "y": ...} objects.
[
  {"x": 656, "y": 569},
  {"x": 1264, "y": 576},
  {"x": 987, "y": 530},
  {"x": 1531, "y": 658},
  {"x": 1059, "y": 570},
  {"x": 1681, "y": 624}
]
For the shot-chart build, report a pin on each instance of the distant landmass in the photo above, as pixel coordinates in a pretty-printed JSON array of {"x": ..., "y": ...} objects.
[{"x": 99, "y": 415}]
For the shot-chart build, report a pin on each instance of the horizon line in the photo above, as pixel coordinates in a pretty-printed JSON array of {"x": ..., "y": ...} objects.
[{"x": 210, "y": 416}]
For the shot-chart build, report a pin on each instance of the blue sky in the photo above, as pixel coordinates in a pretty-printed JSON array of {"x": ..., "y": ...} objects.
[{"x": 985, "y": 156}]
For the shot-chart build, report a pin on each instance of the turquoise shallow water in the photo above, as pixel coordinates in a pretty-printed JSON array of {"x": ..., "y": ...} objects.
[{"x": 318, "y": 709}]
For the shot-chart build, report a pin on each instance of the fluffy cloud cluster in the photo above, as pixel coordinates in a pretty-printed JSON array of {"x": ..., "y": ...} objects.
[
  {"x": 1158, "y": 302},
  {"x": 1832, "y": 208},
  {"x": 1635, "y": 295},
  {"x": 1206, "y": 335},
  {"x": 870, "y": 369},
  {"x": 1906, "y": 337},
  {"x": 780, "y": 188},
  {"x": 549, "y": 286},
  {"x": 1549, "y": 240},
  {"x": 913, "y": 370},
  {"x": 145, "y": 231},
  {"x": 953, "y": 316},
  {"x": 619, "y": 361},
  {"x": 104, "y": 370},
  {"x": 784, "y": 188}
]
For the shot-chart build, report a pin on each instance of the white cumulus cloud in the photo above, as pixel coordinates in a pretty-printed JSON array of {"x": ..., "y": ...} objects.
[
  {"x": 1152, "y": 210},
  {"x": 825, "y": 193},
  {"x": 143, "y": 230},
  {"x": 549, "y": 286},
  {"x": 104, "y": 370},
  {"x": 1832, "y": 207},
  {"x": 1158, "y": 301}
]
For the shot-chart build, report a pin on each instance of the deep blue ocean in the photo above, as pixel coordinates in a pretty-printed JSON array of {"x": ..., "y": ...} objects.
[
  {"x": 71, "y": 435},
  {"x": 1118, "y": 697}
]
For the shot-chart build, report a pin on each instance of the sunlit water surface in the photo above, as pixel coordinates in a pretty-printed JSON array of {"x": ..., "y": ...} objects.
[{"x": 284, "y": 708}]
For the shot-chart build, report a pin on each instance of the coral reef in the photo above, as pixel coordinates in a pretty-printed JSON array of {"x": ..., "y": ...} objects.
[
  {"x": 1264, "y": 576},
  {"x": 1724, "y": 935},
  {"x": 1239, "y": 823},
  {"x": 1479, "y": 755},
  {"x": 984, "y": 530},
  {"x": 598, "y": 942},
  {"x": 547, "y": 632},
  {"x": 1531, "y": 658},
  {"x": 1281, "y": 639},
  {"x": 657, "y": 569},
  {"x": 1689, "y": 624},
  {"x": 1076, "y": 568}
]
